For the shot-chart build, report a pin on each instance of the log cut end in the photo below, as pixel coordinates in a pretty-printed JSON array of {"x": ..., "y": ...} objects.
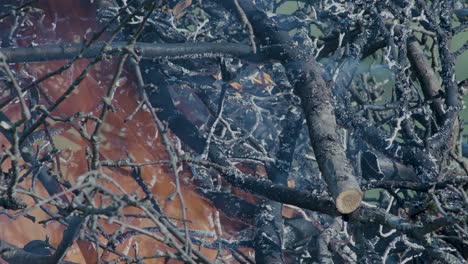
[{"x": 348, "y": 201}]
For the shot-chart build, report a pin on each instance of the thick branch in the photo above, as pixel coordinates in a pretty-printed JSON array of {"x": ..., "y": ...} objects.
[
  {"x": 317, "y": 102},
  {"x": 144, "y": 50},
  {"x": 417, "y": 186},
  {"x": 306, "y": 200},
  {"x": 275, "y": 192},
  {"x": 426, "y": 76}
]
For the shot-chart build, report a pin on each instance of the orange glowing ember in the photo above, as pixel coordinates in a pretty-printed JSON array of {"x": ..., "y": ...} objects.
[{"x": 71, "y": 21}]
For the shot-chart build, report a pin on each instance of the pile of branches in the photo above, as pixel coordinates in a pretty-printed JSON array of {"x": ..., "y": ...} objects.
[{"x": 346, "y": 112}]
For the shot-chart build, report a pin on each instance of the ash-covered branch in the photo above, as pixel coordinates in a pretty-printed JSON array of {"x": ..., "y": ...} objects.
[
  {"x": 317, "y": 102},
  {"x": 66, "y": 51}
]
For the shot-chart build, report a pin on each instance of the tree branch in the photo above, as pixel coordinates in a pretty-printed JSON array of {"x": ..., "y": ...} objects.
[
  {"x": 304, "y": 74},
  {"x": 144, "y": 50}
]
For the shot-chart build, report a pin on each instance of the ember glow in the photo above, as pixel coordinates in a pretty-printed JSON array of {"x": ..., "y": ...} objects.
[{"x": 139, "y": 139}]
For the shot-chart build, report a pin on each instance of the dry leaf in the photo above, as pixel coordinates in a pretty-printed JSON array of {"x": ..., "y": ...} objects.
[
  {"x": 291, "y": 183},
  {"x": 217, "y": 76},
  {"x": 267, "y": 78},
  {"x": 236, "y": 85},
  {"x": 178, "y": 10}
]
